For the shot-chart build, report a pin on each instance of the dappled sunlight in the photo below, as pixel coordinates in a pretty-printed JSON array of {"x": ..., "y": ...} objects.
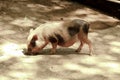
[
  {"x": 65, "y": 64},
  {"x": 53, "y": 78},
  {"x": 9, "y": 50},
  {"x": 12, "y": 49},
  {"x": 108, "y": 58},
  {"x": 56, "y": 68},
  {"x": 82, "y": 69},
  {"x": 109, "y": 37},
  {"x": 116, "y": 1},
  {"x": 32, "y": 59},
  {"x": 91, "y": 71},
  {"x": 35, "y": 7},
  {"x": 21, "y": 74},
  {"x": 82, "y": 11},
  {"x": 43, "y": 8},
  {"x": 115, "y": 43},
  {"x": 115, "y": 46},
  {"x": 110, "y": 67},
  {"x": 115, "y": 50},
  {"x": 24, "y": 22},
  {"x": 7, "y": 32},
  {"x": 57, "y": 7},
  {"x": 3, "y": 78},
  {"x": 90, "y": 60},
  {"x": 118, "y": 26},
  {"x": 93, "y": 67},
  {"x": 42, "y": 11},
  {"x": 72, "y": 66}
]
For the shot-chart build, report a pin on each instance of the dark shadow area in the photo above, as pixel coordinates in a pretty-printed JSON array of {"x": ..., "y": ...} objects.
[
  {"x": 66, "y": 51},
  {"x": 106, "y": 6}
]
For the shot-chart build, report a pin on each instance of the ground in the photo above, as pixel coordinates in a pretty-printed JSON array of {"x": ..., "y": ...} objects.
[{"x": 20, "y": 16}]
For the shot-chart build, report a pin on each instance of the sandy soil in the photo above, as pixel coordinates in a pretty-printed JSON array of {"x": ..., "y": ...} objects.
[{"x": 15, "y": 23}]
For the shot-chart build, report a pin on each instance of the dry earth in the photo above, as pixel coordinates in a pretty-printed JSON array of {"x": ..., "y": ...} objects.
[{"x": 22, "y": 15}]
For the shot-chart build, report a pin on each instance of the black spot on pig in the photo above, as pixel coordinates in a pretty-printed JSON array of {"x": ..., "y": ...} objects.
[
  {"x": 52, "y": 39},
  {"x": 76, "y": 25},
  {"x": 56, "y": 39},
  {"x": 60, "y": 39},
  {"x": 73, "y": 30},
  {"x": 85, "y": 28}
]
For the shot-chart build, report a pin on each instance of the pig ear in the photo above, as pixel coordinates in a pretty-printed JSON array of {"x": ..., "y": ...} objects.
[
  {"x": 35, "y": 37},
  {"x": 31, "y": 30}
]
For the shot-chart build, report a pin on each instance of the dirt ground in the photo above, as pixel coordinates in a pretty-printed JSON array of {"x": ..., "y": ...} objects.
[{"x": 21, "y": 16}]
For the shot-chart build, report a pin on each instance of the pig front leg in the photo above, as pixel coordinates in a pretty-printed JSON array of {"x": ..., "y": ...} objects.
[
  {"x": 54, "y": 46},
  {"x": 84, "y": 39},
  {"x": 36, "y": 49},
  {"x": 87, "y": 41}
]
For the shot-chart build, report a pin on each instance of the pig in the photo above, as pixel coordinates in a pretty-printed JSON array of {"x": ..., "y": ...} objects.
[{"x": 62, "y": 33}]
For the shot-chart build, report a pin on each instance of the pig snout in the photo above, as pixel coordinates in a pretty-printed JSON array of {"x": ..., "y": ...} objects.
[
  {"x": 30, "y": 51},
  {"x": 32, "y": 44}
]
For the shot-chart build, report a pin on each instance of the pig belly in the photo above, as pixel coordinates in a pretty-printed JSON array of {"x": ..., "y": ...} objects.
[{"x": 69, "y": 42}]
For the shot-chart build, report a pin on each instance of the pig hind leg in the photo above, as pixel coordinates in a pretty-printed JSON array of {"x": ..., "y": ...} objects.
[
  {"x": 83, "y": 37},
  {"x": 87, "y": 41},
  {"x": 83, "y": 40},
  {"x": 80, "y": 46}
]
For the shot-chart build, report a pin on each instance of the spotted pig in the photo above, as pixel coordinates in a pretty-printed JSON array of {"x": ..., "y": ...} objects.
[{"x": 62, "y": 33}]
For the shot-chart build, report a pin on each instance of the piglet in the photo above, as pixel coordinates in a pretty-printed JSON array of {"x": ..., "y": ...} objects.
[{"x": 62, "y": 33}]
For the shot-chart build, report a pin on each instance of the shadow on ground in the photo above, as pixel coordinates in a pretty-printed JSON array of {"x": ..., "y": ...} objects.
[{"x": 60, "y": 51}]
